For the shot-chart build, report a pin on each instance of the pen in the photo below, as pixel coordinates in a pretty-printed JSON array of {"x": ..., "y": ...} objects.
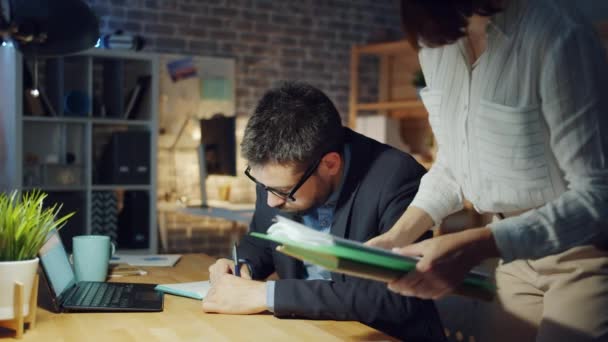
[
  {"x": 154, "y": 258},
  {"x": 235, "y": 257}
]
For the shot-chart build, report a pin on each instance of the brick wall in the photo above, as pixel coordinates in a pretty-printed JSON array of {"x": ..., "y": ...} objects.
[{"x": 307, "y": 40}]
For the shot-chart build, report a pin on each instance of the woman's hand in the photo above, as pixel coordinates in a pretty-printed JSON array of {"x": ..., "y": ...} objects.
[
  {"x": 410, "y": 226},
  {"x": 445, "y": 262}
]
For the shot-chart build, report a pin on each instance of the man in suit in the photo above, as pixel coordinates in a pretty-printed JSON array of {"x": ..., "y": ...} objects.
[{"x": 310, "y": 168}]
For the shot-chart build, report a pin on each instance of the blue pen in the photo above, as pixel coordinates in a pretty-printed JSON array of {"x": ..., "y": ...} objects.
[
  {"x": 235, "y": 258},
  {"x": 154, "y": 258}
]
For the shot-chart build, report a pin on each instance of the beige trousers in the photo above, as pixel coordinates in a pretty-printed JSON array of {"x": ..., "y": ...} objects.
[{"x": 562, "y": 297}]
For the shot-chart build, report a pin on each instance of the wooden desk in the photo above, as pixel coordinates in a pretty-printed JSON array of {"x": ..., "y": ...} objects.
[{"x": 184, "y": 320}]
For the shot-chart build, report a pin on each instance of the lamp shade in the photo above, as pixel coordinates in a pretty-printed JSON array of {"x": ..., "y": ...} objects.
[{"x": 70, "y": 26}]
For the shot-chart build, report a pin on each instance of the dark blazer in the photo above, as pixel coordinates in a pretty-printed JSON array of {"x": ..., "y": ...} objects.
[{"x": 380, "y": 184}]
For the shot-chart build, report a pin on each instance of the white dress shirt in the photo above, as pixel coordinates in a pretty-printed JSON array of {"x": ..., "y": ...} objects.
[{"x": 525, "y": 127}]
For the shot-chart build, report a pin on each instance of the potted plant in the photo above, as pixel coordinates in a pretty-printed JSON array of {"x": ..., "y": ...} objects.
[{"x": 24, "y": 225}]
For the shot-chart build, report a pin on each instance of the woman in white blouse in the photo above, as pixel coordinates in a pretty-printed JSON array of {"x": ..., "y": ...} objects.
[{"x": 518, "y": 101}]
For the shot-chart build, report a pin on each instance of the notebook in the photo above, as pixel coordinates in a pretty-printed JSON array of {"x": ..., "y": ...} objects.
[
  {"x": 196, "y": 290},
  {"x": 357, "y": 259},
  {"x": 73, "y": 296}
]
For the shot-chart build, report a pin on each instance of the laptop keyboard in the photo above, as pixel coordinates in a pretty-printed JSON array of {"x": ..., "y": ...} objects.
[{"x": 101, "y": 295}]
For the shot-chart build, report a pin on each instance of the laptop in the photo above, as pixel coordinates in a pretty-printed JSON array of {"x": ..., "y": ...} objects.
[{"x": 69, "y": 295}]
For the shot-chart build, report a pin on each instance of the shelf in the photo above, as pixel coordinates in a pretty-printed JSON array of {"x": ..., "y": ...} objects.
[
  {"x": 387, "y": 105},
  {"x": 55, "y": 119},
  {"x": 65, "y": 188},
  {"x": 128, "y": 187},
  {"x": 67, "y": 119},
  {"x": 389, "y": 48},
  {"x": 103, "y": 121},
  {"x": 60, "y": 153}
]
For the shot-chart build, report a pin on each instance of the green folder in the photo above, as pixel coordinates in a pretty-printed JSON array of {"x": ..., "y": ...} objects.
[{"x": 356, "y": 259}]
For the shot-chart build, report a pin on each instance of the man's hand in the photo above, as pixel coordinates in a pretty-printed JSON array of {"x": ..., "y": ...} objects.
[
  {"x": 225, "y": 266},
  {"x": 234, "y": 295},
  {"x": 445, "y": 262}
]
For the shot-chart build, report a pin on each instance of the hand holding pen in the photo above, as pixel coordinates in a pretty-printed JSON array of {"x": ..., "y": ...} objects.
[
  {"x": 237, "y": 264},
  {"x": 232, "y": 266}
]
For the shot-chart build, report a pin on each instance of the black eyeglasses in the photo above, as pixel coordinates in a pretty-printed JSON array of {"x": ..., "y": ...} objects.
[{"x": 287, "y": 196}]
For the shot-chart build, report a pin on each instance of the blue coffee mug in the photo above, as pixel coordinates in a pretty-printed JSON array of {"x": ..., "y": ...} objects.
[{"x": 91, "y": 254}]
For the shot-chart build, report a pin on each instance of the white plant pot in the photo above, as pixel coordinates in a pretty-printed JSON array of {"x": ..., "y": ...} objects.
[{"x": 23, "y": 272}]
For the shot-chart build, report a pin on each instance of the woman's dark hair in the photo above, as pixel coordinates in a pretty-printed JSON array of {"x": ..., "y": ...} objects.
[
  {"x": 435, "y": 23},
  {"x": 294, "y": 123}
]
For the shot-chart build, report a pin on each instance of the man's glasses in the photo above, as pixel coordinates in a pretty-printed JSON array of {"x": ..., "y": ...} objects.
[{"x": 287, "y": 196}]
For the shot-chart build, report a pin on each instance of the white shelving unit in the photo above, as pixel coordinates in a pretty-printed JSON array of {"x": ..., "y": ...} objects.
[{"x": 64, "y": 153}]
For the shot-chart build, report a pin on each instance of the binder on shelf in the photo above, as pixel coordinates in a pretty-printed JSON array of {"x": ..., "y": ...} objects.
[
  {"x": 53, "y": 93},
  {"x": 135, "y": 96},
  {"x": 32, "y": 104},
  {"x": 123, "y": 161},
  {"x": 113, "y": 82},
  {"x": 49, "y": 109},
  {"x": 36, "y": 105},
  {"x": 356, "y": 259}
]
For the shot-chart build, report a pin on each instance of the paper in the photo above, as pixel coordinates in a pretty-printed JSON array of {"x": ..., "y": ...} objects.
[
  {"x": 196, "y": 290},
  {"x": 181, "y": 69},
  {"x": 294, "y": 231},
  {"x": 216, "y": 89},
  {"x": 160, "y": 260}
]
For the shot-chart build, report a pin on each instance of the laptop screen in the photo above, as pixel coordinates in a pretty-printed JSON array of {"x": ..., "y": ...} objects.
[{"x": 57, "y": 268}]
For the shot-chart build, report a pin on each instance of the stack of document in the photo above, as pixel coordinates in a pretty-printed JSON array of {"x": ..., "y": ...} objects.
[
  {"x": 354, "y": 258},
  {"x": 151, "y": 260}
]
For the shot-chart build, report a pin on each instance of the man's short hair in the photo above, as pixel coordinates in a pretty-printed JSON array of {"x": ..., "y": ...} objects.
[{"x": 294, "y": 123}]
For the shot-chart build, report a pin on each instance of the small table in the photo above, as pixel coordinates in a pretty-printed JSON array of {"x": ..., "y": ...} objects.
[{"x": 184, "y": 320}]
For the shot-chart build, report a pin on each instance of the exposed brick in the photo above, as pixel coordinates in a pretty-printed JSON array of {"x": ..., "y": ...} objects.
[
  {"x": 297, "y": 32},
  {"x": 142, "y": 16},
  {"x": 265, "y": 4},
  {"x": 289, "y": 63},
  {"x": 159, "y": 29},
  {"x": 173, "y": 18},
  {"x": 283, "y": 41},
  {"x": 222, "y": 35},
  {"x": 255, "y": 16},
  {"x": 128, "y": 26},
  {"x": 206, "y": 22},
  {"x": 293, "y": 52},
  {"x": 194, "y": 8},
  {"x": 203, "y": 46},
  {"x": 266, "y": 28},
  {"x": 223, "y": 12},
  {"x": 161, "y": 4},
  {"x": 194, "y": 31},
  {"x": 241, "y": 25},
  {"x": 282, "y": 19},
  {"x": 253, "y": 38},
  {"x": 170, "y": 43}
]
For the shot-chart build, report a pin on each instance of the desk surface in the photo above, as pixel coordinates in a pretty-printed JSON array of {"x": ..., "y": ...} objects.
[{"x": 184, "y": 320}]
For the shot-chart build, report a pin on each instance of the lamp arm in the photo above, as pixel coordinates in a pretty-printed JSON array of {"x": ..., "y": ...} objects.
[{"x": 181, "y": 131}]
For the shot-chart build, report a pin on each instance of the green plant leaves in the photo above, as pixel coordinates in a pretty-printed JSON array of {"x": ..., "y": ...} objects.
[{"x": 25, "y": 224}]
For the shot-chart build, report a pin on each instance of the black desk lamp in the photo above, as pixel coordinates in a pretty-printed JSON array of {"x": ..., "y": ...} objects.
[{"x": 48, "y": 27}]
